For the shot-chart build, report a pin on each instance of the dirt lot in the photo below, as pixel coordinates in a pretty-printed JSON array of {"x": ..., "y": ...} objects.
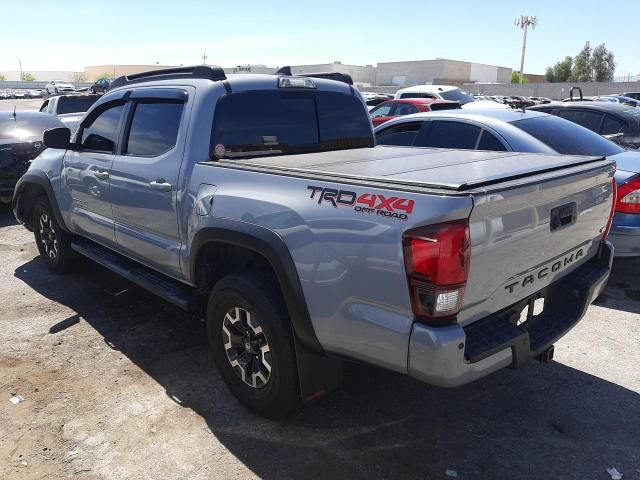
[{"x": 116, "y": 385}]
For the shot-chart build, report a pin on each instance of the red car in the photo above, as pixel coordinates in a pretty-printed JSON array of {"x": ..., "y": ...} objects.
[{"x": 397, "y": 108}]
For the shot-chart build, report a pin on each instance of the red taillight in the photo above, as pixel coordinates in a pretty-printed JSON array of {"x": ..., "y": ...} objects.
[
  {"x": 628, "y": 200},
  {"x": 437, "y": 262}
]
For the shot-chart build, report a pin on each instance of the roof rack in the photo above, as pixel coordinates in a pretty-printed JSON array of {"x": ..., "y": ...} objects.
[
  {"x": 337, "y": 76},
  {"x": 209, "y": 72}
]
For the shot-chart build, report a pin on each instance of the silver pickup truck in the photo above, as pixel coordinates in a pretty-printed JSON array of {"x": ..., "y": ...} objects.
[{"x": 261, "y": 201}]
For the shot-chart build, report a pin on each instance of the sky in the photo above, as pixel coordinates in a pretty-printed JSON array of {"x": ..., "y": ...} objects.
[{"x": 72, "y": 34}]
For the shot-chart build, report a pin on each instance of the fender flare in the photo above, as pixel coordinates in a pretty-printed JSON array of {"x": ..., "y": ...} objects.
[
  {"x": 270, "y": 245},
  {"x": 39, "y": 178}
]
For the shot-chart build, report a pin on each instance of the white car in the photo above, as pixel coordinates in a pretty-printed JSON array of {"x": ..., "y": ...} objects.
[
  {"x": 447, "y": 92},
  {"x": 58, "y": 86}
]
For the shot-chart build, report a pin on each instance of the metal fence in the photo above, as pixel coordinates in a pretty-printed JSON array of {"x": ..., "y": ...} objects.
[{"x": 36, "y": 85}]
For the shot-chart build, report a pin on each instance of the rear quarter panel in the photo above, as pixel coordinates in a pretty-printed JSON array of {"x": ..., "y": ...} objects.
[{"x": 350, "y": 264}]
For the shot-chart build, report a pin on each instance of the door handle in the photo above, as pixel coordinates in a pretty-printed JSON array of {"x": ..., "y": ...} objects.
[
  {"x": 101, "y": 175},
  {"x": 161, "y": 185}
]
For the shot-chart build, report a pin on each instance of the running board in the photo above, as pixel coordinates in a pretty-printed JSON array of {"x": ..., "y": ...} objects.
[{"x": 174, "y": 292}]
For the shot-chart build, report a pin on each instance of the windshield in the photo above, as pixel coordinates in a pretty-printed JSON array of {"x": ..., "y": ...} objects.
[
  {"x": 566, "y": 137},
  {"x": 75, "y": 104},
  {"x": 277, "y": 122},
  {"x": 22, "y": 128},
  {"x": 457, "y": 95}
]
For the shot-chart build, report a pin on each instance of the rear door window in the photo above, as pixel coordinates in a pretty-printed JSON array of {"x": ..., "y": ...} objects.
[
  {"x": 489, "y": 141},
  {"x": 154, "y": 128},
  {"x": 382, "y": 110},
  {"x": 403, "y": 134},
  {"x": 403, "y": 109},
  {"x": 611, "y": 125},
  {"x": 587, "y": 119},
  {"x": 450, "y": 134}
]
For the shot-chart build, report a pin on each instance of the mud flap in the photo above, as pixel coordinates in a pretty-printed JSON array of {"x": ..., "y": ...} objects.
[{"x": 318, "y": 374}]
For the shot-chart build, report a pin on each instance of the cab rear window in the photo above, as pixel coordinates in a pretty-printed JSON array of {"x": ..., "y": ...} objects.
[{"x": 275, "y": 122}]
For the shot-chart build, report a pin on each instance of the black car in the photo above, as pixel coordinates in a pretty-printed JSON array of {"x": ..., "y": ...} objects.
[
  {"x": 635, "y": 95},
  {"x": 101, "y": 85},
  {"x": 20, "y": 142},
  {"x": 618, "y": 122}
]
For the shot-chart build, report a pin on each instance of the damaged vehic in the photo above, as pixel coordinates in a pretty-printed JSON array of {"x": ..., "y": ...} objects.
[{"x": 261, "y": 201}]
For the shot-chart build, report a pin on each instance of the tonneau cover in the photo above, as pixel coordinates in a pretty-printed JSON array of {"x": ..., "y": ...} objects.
[{"x": 435, "y": 168}]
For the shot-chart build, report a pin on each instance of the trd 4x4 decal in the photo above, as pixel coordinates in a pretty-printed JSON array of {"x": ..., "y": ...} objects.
[{"x": 394, "y": 207}]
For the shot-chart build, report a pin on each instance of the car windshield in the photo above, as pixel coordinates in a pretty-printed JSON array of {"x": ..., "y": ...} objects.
[
  {"x": 75, "y": 104},
  {"x": 25, "y": 127},
  {"x": 457, "y": 95},
  {"x": 279, "y": 122},
  {"x": 566, "y": 137}
]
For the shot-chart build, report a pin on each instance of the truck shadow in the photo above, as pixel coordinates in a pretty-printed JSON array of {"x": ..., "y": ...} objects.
[
  {"x": 548, "y": 421},
  {"x": 623, "y": 289},
  {"x": 6, "y": 216}
]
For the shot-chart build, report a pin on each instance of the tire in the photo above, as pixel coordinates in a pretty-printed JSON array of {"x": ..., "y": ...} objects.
[
  {"x": 234, "y": 298},
  {"x": 54, "y": 244},
  {"x": 92, "y": 90},
  {"x": 55, "y": 90}
]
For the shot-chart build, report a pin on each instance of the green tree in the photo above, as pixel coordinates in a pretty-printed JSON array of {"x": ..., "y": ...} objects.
[
  {"x": 549, "y": 75},
  {"x": 562, "y": 70},
  {"x": 515, "y": 77},
  {"x": 104, "y": 75},
  {"x": 27, "y": 77},
  {"x": 603, "y": 65},
  {"x": 2, "y": 78},
  {"x": 581, "y": 71}
]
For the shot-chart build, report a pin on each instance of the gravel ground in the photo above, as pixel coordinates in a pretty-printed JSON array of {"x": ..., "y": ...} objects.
[{"x": 116, "y": 385}]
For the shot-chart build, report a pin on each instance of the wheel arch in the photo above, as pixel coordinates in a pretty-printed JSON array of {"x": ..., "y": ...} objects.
[
  {"x": 30, "y": 187},
  {"x": 255, "y": 244}
]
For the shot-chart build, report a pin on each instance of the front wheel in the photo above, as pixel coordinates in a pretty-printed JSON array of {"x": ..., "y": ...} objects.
[
  {"x": 252, "y": 346},
  {"x": 92, "y": 90},
  {"x": 54, "y": 244}
]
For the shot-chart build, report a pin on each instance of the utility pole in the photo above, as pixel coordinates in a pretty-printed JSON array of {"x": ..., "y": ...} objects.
[
  {"x": 21, "y": 74},
  {"x": 204, "y": 58},
  {"x": 524, "y": 22}
]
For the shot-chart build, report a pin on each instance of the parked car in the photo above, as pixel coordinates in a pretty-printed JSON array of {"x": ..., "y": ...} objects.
[
  {"x": 6, "y": 94},
  {"x": 632, "y": 102},
  {"x": 445, "y": 92},
  {"x": 19, "y": 94},
  {"x": 69, "y": 108},
  {"x": 259, "y": 202},
  {"x": 635, "y": 95},
  {"x": 20, "y": 142},
  {"x": 373, "y": 99},
  {"x": 620, "y": 123},
  {"x": 34, "y": 93},
  {"x": 396, "y": 108},
  {"x": 58, "y": 86},
  {"x": 529, "y": 131},
  {"x": 101, "y": 85}
]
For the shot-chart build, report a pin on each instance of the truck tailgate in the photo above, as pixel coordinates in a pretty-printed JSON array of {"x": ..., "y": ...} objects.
[{"x": 528, "y": 232}]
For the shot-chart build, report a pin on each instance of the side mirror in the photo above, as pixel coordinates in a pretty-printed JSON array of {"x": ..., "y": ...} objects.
[{"x": 59, "y": 137}]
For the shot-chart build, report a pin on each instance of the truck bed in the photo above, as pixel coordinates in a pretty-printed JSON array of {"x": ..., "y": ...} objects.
[{"x": 442, "y": 169}]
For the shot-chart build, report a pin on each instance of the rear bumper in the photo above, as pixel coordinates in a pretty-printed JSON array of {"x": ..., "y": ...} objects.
[
  {"x": 454, "y": 355},
  {"x": 625, "y": 234}
]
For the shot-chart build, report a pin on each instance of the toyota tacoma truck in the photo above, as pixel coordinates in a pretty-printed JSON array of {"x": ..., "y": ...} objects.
[{"x": 262, "y": 202}]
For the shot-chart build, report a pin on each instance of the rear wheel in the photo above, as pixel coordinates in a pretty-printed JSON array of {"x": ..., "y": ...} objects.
[
  {"x": 53, "y": 243},
  {"x": 92, "y": 90},
  {"x": 252, "y": 346}
]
